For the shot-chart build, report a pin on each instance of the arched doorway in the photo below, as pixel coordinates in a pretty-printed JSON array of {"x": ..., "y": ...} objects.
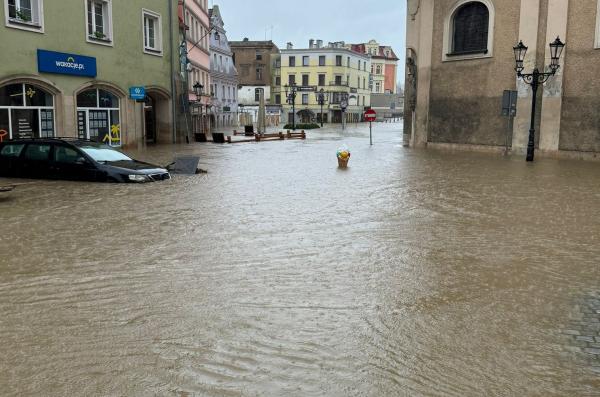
[
  {"x": 99, "y": 116},
  {"x": 150, "y": 119},
  {"x": 306, "y": 116},
  {"x": 26, "y": 111},
  {"x": 157, "y": 115}
]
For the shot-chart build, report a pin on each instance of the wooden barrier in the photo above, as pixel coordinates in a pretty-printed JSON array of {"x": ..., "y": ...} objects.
[{"x": 268, "y": 137}]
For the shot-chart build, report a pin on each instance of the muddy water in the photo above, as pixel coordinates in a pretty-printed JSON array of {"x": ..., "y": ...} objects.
[{"x": 411, "y": 273}]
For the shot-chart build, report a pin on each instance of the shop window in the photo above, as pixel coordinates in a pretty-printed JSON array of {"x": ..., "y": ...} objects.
[
  {"x": 24, "y": 14},
  {"x": 152, "y": 32},
  {"x": 99, "y": 21},
  {"x": 99, "y": 116},
  {"x": 26, "y": 111}
]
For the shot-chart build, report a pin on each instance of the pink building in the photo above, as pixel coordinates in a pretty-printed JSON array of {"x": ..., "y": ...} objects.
[{"x": 196, "y": 26}]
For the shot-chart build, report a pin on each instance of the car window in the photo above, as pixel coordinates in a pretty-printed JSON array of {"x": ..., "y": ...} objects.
[
  {"x": 104, "y": 154},
  {"x": 63, "y": 154},
  {"x": 12, "y": 150},
  {"x": 37, "y": 152}
]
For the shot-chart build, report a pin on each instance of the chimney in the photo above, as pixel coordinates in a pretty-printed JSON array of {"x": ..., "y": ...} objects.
[
  {"x": 290, "y": 46},
  {"x": 311, "y": 43},
  {"x": 319, "y": 43}
]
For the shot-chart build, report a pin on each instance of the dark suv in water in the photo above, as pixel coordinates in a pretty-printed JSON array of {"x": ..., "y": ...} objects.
[{"x": 73, "y": 159}]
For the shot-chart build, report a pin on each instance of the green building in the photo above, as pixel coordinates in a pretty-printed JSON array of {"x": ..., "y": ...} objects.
[{"x": 75, "y": 68}]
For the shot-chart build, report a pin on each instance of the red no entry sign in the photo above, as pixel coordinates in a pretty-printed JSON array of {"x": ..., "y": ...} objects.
[{"x": 370, "y": 115}]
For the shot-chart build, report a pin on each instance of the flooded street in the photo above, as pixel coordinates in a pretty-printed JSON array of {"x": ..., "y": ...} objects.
[{"x": 411, "y": 273}]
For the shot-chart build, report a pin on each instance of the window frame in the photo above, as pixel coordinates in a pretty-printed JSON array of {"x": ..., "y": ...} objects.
[
  {"x": 39, "y": 109},
  {"x": 305, "y": 61},
  {"x": 305, "y": 99},
  {"x": 108, "y": 24},
  {"x": 290, "y": 63},
  {"x": 597, "y": 38},
  {"x": 23, "y": 25},
  {"x": 447, "y": 55},
  {"x": 158, "y": 37},
  {"x": 324, "y": 59}
]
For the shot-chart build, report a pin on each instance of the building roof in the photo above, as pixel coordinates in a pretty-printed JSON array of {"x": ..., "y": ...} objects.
[
  {"x": 253, "y": 43},
  {"x": 361, "y": 48}
]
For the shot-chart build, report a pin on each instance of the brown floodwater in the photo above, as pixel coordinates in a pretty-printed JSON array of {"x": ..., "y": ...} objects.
[{"x": 411, "y": 273}]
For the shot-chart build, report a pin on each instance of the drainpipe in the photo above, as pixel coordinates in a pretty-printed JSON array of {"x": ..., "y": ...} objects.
[{"x": 172, "y": 62}]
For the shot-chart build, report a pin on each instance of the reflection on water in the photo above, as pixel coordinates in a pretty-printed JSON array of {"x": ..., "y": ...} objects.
[{"x": 414, "y": 273}]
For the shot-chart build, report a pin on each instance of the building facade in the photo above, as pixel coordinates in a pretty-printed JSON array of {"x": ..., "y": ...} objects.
[
  {"x": 384, "y": 66},
  {"x": 196, "y": 66},
  {"x": 253, "y": 60},
  {"x": 343, "y": 75},
  {"x": 223, "y": 73},
  {"x": 460, "y": 60},
  {"x": 71, "y": 68}
]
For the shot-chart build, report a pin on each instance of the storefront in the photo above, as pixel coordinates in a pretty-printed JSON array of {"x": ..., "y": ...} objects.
[
  {"x": 26, "y": 111},
  {"x": 99, "y": 116}
]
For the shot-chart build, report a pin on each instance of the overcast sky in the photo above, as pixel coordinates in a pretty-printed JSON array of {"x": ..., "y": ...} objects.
[{"x": 352, "y": 21}]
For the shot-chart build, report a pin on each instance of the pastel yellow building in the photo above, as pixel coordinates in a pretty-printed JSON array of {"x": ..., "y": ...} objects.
[{"x": 341, "y": 73}]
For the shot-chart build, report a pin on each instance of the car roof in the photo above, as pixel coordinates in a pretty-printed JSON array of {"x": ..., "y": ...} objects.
[{"x": 67, "y": 140}]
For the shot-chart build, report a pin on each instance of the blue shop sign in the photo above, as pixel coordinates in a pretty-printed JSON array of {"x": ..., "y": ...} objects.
[
  {"x": 137, "y": 93},
  {"x": 62, "y": 63}
]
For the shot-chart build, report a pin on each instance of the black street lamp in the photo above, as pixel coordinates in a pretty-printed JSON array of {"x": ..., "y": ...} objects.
[
  {"x": 534, "y": 79},
  {"x": 321, "y": 100},
  {"x": 198, "y": 91},
  {"x": 290, "y": 93},
  {"x": 344, "y": 106}
]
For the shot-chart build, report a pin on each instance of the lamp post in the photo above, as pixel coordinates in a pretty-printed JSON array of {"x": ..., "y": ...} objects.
[
  {"x": 198, "y": 91},
  {"x": 534, "y": 79},
  {"x": 290, "y": 93},
  {"x": 344, "y": 106},
  {"x": 321, "y": 100}
]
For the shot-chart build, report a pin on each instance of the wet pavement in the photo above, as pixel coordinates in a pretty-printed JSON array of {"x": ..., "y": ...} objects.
[{"x": 411, "y": 273}]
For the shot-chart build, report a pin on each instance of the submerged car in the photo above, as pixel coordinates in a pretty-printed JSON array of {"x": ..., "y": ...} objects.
[{"x": 73, "y": 159}]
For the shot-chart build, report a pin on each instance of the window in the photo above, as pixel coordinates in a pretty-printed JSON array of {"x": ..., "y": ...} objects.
[
  {"x": 26, "y": 111},
  {"x": 24, "y": 14},
  {"x": 292, "y": 61},
  {"x": 305, "y": 80},
  {"x": 378, "y": 69},
  {"x": 99, "y": 21},
  {"x": 321, "y": 80},
  {"x": 66, "y": 155},
  {"x": 305, "y": 61},
  {"x": 37, "y": 152},
  {"x": 278, "y": 81},
  {"x": 291, "y": 79},
  {"x": 321, "y": 60},
  {"x": 278, "y": 63},
  {"x": 152, "y": 32},
  {"x": 258, "y": 55},
  {"x": 377, "y": 86},
  {"x": 468, "y": 30},
  {"x": 598, "y": 26},
  {"x": 359, "y": 64},
  {"x": 12, "y": 150},
  {"x": 338, "y": 80},
  {"x": 258, "y": 74},
  {"x": 372, "y": 66},
  {"x": 278, "y": 99},
  {"x": 338, "y": 60},
  {"x": 364, "y": 83},
  {"x": 99, "y": 116},
  {"x": 305, "y": 99},
  {"x": 257, "y": 94},
  {"x": 348, "y": 62}
]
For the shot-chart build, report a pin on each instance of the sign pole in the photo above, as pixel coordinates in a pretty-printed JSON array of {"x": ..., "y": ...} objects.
[{"x": 371, "y": 133}]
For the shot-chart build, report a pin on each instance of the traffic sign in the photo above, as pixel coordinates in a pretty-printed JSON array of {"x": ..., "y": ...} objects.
[{"x": 370, "y": 115}]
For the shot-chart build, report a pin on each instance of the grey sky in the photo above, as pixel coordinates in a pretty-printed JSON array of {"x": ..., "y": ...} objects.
[{"x": 352, "y": 21}]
